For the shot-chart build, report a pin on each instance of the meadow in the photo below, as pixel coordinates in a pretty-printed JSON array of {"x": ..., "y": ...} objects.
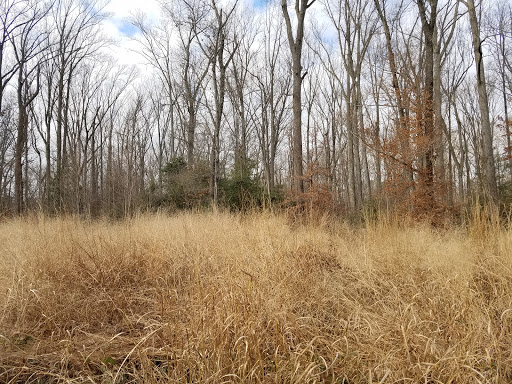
[{"x": 221, "y": 298}]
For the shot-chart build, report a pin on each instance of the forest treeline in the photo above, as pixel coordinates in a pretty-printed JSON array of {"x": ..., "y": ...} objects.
[{"x": 335, "y": 104}]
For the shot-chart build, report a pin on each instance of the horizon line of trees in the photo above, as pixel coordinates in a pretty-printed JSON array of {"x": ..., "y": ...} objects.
[{"x": 336, "y": 104}]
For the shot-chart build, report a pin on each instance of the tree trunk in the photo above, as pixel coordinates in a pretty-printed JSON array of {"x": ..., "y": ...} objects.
[
  {"x": 491, "y": 186},
  {"x": 298, "y": 181},
  {"x": 427, "y": 110},
  {"x": 296, "y": 52},
  {"x": 438, "y": 138},
  {"x": 21, "y": 142},
  {"x": 402, "y": 126}
]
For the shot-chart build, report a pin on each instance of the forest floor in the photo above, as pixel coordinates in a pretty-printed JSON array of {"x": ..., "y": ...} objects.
[{"x": 218, "y": 298}]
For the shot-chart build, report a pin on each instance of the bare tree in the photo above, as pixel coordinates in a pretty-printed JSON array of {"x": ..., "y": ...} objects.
[
  {"x": 274, "y": 86},
  {"x": 500, "y": 25},
  {"x": 27, "y": 45},
  {"x": 14, "y": 14},
  {"x": 7, "y": 140},
  {"x": 448, "y": 15},
  {"x": 457, "y": 66},
  {"x": 429, "y": 27},
  {"x": 295, "y": 43},
  {"x": 76, "y": 38},
  {"x": 376, "y": 59},
  {"x": 238, "y": 83},
  {"x": 491, "y": 186},
  {"x": 402, "y": 126},
  {"x": 189, "y": 19},
  {"x": 354, "y": 23},
  {"x": 220, "y": 53}
]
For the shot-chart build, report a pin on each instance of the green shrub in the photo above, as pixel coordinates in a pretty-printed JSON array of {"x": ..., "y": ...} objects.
[
  {"x": 242, "y": 189},
  {"x": 186, "y": 187}
]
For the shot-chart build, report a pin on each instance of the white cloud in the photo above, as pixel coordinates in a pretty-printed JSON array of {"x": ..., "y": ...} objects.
[
  {"x": 125, "y": 8},
  {"x": 122, "y": 10},
  {"x": 118, "y": 27}
]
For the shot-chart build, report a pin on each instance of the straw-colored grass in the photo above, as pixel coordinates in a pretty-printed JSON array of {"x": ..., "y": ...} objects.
[{"x": 205, "y": 298}]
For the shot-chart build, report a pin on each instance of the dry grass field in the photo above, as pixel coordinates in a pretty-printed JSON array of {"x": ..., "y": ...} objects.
[{"x": 217, "y": 298}]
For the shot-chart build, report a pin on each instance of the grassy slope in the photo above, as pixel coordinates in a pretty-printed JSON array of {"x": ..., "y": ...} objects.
[{"x": 218, "y": 298}]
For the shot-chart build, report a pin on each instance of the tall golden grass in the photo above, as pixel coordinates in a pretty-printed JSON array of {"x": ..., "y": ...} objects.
[{"x": 217, "y": 298}]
